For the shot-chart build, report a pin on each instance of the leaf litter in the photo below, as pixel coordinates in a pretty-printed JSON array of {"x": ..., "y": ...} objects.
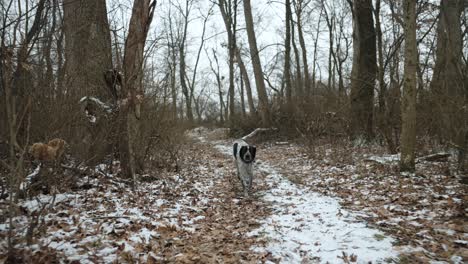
[{"x": 303, "y": 210}]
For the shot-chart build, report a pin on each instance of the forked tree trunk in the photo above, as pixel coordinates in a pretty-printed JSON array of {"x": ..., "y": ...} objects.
[
  {"x": 408, "y": 133},
  {"x": 264, "y": 107},
  {"x": 142, "y": 15}
]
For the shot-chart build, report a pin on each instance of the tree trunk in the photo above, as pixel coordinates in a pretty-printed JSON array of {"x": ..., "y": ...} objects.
[
  {"x": 317, "y": 33},
  {"x": 408, "y": 133},
  {"x": 330, "y": 22},
  {"x": 257, "y": 66},
  {"x": 142, "y": 15},
  {"x": 298, "y": 90},
  {"x": 241, "y": 87},
  {"x": 306, "y": 87},
  {"x": 218, "y": 81},
  {"x": 87, "y": 42},
  {"x": 448, "y": 82},
  {"x": 363, "y": 71},
  {"x": 230, "y": 24},
  {"x": 287, "y": 56},
  {"x": 182, "y": 66},
  {"x": 245, "y": 77}
]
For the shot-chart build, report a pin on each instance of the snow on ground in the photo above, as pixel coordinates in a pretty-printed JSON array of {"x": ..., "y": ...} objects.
[
  {"x": 425, "y": 213},
  {"x": 104, "y": 221},
  {"x": 308, "y": 226}
]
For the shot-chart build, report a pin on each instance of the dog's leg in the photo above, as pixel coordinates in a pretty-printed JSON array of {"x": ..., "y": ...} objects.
[
  {"x": 243, "y": 174},
  {"x": 245, "y": 182},
  {"x": 249, "y": 180},
  {"x": 240, "y": 176}
]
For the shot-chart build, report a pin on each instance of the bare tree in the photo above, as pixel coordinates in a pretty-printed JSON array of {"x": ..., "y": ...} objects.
[
  {"x": 197, "y": 61},
  {"x": 261, "y": 90},
  {"x": 297, "y": 57},
  {"x": 408, "y": 133},
  {"x": 364, "y": 69},
  {"x": 330, "y": 19},
  {"x": 172, "y": 54},
  {"x": 229, "y": 13},
  {"x": 87, "y": 42},
  {"x": 299, "y": 8},
  {"x": 140, "y": 21},
  {"x": 216, "y": 72},
  {"x": 449, "y": 80},
  {"x": 316, "y": 40},
  {"x": 246, "y": 79},
  {"x": 287, "y": 55},
  {"x": 185, "y": 11}
]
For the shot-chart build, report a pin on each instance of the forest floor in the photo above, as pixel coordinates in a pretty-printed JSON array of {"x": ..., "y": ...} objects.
[{"x": 336, "y": 204}]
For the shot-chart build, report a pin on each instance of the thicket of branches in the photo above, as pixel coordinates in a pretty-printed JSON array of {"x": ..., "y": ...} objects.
[
  {"x": 119, "y": 91},
  {"x": 71, "y": 70}
]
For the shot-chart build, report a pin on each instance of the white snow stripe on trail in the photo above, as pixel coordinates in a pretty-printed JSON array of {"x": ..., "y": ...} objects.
[{"x": 307, "y": 226}]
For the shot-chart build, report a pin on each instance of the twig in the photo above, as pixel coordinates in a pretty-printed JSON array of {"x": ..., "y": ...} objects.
[{"x": 109, "y": 217}]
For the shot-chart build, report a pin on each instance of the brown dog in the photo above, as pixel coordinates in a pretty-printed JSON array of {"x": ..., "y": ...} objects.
[{"x": 52, "y": 151}]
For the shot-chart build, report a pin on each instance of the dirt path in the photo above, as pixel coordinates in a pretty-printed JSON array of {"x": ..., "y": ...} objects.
[
  {"x": 197, "y": 215},
  {"x": 307, "y": 227},
  {"x": 221, "y": 236}
]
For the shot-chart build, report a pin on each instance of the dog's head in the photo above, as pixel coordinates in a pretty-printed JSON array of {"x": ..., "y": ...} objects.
[{"x": 247, "y": 153}]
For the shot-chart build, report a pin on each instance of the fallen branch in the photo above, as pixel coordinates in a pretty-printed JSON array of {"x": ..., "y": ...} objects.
[
  {"x": 258, "y": 131},
  {"x": 438, "y": 157},
  {"x": 110, "y": 217}
]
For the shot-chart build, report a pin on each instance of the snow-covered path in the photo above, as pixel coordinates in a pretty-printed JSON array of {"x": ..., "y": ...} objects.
[{"x": 307, "y": 227}]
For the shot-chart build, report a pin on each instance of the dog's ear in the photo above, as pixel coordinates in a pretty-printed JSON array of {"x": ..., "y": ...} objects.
[
  {"x": 253, "y": 150},
  {"x": 235, "y": 150}
]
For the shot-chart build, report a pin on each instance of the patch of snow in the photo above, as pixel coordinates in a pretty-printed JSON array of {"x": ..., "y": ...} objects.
[
  {"x": 28, "y": 178},
  {"x": 385, "y": 159},
  {"x": 457, "y": 259},
  {"x": 100, "y": 103},
  {"x": 144, "y": 236}
]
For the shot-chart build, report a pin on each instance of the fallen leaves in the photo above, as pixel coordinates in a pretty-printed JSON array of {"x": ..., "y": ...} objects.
[{"x": 411, "y": 208}]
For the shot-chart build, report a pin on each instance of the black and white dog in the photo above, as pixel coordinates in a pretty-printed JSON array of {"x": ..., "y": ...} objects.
[{"x": 244, "y": 155}]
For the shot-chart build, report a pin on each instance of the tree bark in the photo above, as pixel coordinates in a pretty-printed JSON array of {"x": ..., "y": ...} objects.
[
  {"x": 241, "y": 87},
  {"x": 220, "y": 85},
  {"x": 330, "y": 19},
  {"x": 363, "y": 71},
  {"x": 317, "y": 33},
  {"x": 182, "y": 66},
  {"x": 230, "y": 24},
  {"x": 264, "y": 107},
  {"x": 245, "y": 77},
  {"x": 300, "y": 32},
  {"x": 298, "y": 81},
  {"x": 142, "y": 15},
  {"x": 287, "y": 56},
  {"x": 87, "y": 42},
  {"x": 408, "y": 133},
  {"x": 449, "y": 82}
]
